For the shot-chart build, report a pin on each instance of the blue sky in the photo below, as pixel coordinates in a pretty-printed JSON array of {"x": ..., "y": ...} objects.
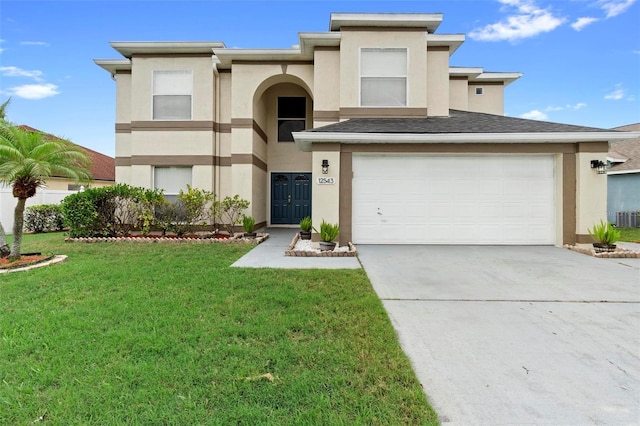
[{"x": 580, "y": 58}]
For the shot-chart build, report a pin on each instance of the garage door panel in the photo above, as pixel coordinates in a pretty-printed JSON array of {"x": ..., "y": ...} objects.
[{"x": 473, "y": 199}]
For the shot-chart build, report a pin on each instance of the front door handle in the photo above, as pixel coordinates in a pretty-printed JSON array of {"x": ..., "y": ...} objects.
[{"x": 289, "y": 199}]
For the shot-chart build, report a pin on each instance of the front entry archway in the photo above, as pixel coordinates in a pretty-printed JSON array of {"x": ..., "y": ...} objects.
[{"x": 290, "y": 197}]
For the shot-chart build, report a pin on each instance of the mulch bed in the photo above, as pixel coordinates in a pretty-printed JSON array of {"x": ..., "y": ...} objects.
[{"x": 25, "y": 260}]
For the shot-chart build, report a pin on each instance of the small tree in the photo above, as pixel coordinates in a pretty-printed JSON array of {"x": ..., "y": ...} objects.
[{"x": 27, "y": 160}]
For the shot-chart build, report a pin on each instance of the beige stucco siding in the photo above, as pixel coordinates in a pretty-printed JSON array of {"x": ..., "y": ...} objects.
[
  {"x": 168, "y": 143},
  {"x": 458, "y": 94},
  {"x": 490, "y": 102},
  {"x": 123, "y": 97},
  {"x": 353, "y": 41},
  {"x": 326, "y": 76},
  {"x": 437, "y": 77},
  {"x": 142, "y": 85}
]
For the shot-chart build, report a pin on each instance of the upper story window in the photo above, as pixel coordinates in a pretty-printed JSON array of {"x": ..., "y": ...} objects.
[
  {"x": 383, "y": 77},
  {"x": 172, "y": 92},
  {"x": 292, "y": 117},
  {"x": 479, "y": 91}
]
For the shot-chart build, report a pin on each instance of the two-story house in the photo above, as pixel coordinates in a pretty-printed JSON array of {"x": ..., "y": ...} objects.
[{"x": 366, "y": 125}]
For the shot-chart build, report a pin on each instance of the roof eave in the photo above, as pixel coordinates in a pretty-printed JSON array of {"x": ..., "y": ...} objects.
[
  {"x": 305, "y": 139},
  {"x": 427, "y": 21},
  {"x": 130, "y": 48},
  {"x": 452, "y": 41},
  {"x": 622, "y": 172},
  {"x": 113, "y": 65}
]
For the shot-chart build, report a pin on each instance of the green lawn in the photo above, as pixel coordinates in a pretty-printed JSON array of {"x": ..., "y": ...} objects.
[
  {"x": 630, "y": 234},
  {"x": 169, "y": 334}
]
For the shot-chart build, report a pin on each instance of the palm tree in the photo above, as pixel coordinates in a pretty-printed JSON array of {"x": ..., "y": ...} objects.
[{"x": 27, "y": 160}]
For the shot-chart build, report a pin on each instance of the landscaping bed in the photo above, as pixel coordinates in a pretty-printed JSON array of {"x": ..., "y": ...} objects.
[
  {"x": 203, "y": 238},
  {"x": 306, "y": 248},
  {"x": 619, "y": 252}
]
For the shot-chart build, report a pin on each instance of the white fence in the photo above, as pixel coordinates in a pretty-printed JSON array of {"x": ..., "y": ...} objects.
[{"x": 8, "y": 203}]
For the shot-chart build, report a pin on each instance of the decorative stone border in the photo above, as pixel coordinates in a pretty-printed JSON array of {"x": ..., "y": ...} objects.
[
  {"x": 304, "y": 253},
  {"x": 237, "y": 238},
  {"x": 56, "y": 259},
  {"x": 618, "y": 253}
]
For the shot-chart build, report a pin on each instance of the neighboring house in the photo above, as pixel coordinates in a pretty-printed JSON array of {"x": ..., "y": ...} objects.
[
  {"x": 102, "y": 169},
  {"x": 623, "y": 178},
  {"x": 57, "y": 188},
  {"x": 366, "y": 125}
]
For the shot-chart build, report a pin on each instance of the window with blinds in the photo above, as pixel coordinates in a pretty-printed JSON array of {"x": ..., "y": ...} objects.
[
  {"x": 172, "y": 92},
  {"x": 171, "y": 180},
  {"x": 383, "y": 77}
]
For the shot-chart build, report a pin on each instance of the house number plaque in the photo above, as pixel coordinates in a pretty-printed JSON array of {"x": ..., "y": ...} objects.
[{"x": 326, "y": 181}]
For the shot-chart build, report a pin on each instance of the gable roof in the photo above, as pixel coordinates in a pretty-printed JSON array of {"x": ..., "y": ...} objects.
[
  {"x": 458, "y": 127},
  {"x": 627, "y": 150},
  {"x": 102, "y": 167}
]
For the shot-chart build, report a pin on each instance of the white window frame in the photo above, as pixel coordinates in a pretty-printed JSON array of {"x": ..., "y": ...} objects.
[
  {"x": 154, "y": 94},
  {"x": 405, "y": 76},
  {"x": 478, "y": 91}
]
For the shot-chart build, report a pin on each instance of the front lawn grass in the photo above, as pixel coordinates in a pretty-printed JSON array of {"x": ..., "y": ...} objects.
[
  {"x": 169, "y": 334},
  {"x": 629, "y": 234}
]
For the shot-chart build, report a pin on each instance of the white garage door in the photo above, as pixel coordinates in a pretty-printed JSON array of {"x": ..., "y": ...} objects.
[{"x": 475, "y": 199}]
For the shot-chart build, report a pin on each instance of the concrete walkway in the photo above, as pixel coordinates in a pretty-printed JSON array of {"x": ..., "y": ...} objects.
[{"x": 270, "y": 254}]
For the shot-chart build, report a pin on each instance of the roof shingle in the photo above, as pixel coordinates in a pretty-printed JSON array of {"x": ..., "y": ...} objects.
[
  {"x": 456, "y": 122},
  {"x": 629, "y": 149}
]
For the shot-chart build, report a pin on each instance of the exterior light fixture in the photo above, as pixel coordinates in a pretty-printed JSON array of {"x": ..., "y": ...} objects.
[
  {"x": 600, "y": 166},
  {"x": 325, "y": 167}
]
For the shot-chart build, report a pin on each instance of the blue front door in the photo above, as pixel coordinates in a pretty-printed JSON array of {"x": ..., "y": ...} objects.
[{"x": 290, "y": 197}]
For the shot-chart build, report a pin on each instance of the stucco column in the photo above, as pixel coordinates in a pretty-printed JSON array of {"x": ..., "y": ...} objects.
[
  {"x": 325, "y": 204},
  {"x": 591, "y": 191}
]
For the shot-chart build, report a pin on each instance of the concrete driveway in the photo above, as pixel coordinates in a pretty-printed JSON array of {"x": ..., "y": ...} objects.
[{"x": 516, "y": 335}]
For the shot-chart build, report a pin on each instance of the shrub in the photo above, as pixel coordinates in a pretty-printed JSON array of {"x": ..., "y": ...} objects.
[
  {"x": 195, "y": 203},
  {"x": 110, "y": 211},
  {"x": 306, "y": 224},
  {"x": 228, "y": 212},
  {"x": 604, "y": 233},
  {"x": 248, "y": 224},
  {"x": 43, "y": 218},
  {"x": 328, "y": 231}
]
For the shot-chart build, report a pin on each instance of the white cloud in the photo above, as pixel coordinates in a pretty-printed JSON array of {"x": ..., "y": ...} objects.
[
  {"x": 12, "y": 71},
  {"x": 583, "y": 22},
  {"x": 34, "y": 91},
  {"x": 534, "y": 115},
  {"x": 614, "y": 7},
  {"x": 617, "y": 93},
  {"x": 34, "y": 43},
  {"x": 529, "y": 21}
]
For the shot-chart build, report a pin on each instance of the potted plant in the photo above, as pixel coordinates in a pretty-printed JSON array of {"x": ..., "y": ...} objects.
[
  {"x": 328, "y": 233},
  {"x": 305, "y": 228},
  {"x": 248, "y": 223},
  {"x": 605, "y": 235}
]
